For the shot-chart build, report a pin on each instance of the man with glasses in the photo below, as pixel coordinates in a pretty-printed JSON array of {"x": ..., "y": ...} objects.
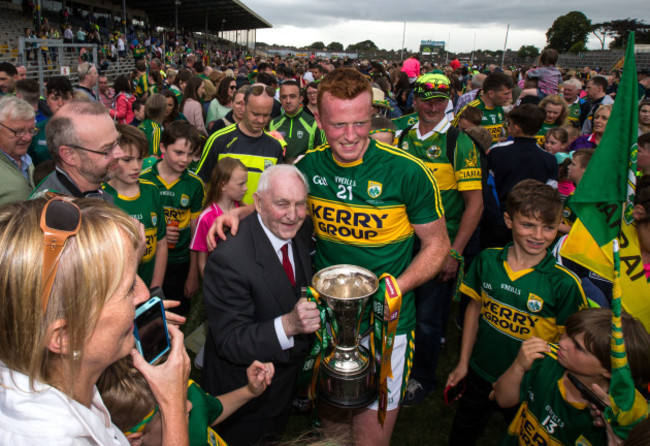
[
  {"x": 246, "y": 141},
  {"x": 88, "y": 76},
  {"x": 82, "y": 140},
  {"x": 58, "y": 92},
  {"x": 16, "y": 131}
]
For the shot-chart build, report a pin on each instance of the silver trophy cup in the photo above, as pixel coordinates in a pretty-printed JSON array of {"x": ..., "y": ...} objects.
[{"x": 347, "y": 374}]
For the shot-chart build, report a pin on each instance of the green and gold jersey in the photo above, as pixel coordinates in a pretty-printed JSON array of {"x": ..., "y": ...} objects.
[
  {"x": 147, "y": 208},
  {"x": 463, "y": 173},
  {"x": 493, "y": 118},
  {"x": 142, "y": 86},
  {"x": 205, "y": 410},
  {"x": 545, "y": 417},
  {"x": 139, "y": 52},
  {"x": 573, "y": 117},
  {"x": 540, "y": 137},
  {"x": 182, "y": 201},
  {"x": 363, "y": 211},
  {"x": 516, "y": 306},
  {"x": 152, "y": 130}
]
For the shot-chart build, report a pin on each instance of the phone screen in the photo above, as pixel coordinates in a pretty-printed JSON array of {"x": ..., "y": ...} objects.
[{"x": 151, "y": 331}]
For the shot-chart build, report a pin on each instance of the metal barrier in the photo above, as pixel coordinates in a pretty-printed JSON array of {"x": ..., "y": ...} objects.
[{"x": 71, "y": 50}]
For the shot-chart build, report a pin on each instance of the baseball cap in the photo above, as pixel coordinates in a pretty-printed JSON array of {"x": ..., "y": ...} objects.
[{"x": 432, "y": 85}]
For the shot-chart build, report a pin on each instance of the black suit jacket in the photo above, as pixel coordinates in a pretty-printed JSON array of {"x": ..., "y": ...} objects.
[{"x": 244, "y": 289}]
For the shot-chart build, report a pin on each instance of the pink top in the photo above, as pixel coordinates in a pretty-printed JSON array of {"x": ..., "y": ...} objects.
[
  {"x": 565, "y": 187},
  {"x": 411, "y": 67},
  {"x": 203, "y": 225}
]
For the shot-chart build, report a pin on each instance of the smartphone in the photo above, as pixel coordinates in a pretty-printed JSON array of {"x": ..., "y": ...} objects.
[
  {"x": 453, "y": 393},
  {"x": 150, "y": 330},
  {"x": 587, "y": 393}
]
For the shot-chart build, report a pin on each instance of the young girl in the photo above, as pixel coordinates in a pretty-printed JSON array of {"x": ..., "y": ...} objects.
[
  {"x": 227, "y": 188},
  {"x": 557, "y": 140}
]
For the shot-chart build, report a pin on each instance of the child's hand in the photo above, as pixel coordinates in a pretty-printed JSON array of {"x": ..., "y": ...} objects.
[
  {"x": 172, "y": 235},
  {"x": 259, "y": 376},
  {"x": 531, "y": 349},
  {"x": 457, "y": 375},
  {"x": 191, "y": 286}
]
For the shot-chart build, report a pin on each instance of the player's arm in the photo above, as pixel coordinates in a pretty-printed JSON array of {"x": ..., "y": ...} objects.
[
  {"x": 162, "y": 253},
  {"x": 469, "y": 221},
  {"x": 192, "y": 282},
  {"x": 432, "y": 256},
  {"x": 506, "y": 389},
  {"x": 470, "y": 329}
]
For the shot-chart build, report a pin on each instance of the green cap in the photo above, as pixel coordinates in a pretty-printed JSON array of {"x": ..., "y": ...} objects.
[{"x": 431, "y": 85}]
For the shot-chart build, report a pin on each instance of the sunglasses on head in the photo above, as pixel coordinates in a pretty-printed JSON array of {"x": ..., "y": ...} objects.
[
  {"x": 257, "y": 90},
  {"x": 60, "y": 220}
]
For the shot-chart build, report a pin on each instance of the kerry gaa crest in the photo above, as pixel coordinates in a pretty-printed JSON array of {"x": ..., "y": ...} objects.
[
  {"x": 374, "y": 189},
  {"x": 535, "y": 303}
]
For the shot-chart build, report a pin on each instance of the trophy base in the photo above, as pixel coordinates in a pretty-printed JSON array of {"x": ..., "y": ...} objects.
[{"x": 347, "y": 391}]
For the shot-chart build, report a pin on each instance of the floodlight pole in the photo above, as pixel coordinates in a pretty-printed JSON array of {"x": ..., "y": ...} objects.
[
  {"x": 177, "y": 3},
  {"x": 403, "y": 40},
  {"x": 124, "y": 20},
  {"x": 505, "y": 44}
]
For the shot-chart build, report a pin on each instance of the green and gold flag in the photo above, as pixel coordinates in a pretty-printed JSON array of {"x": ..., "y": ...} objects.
[
  {"x": 627, "y": 406},
  {"x": 603, "y": 201}
]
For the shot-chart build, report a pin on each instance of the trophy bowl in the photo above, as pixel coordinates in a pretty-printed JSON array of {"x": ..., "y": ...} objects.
[{"x": 347, "y": 374}]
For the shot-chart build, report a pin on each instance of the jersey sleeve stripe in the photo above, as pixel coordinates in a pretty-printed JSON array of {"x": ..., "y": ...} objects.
[
  {"x": 208, "y": 144},
  {"x": 469, "y": 292}
]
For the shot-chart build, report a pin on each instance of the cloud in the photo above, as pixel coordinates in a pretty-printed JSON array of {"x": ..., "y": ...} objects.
[
  {"x": 519, "y": 13},
  {"x": 297, "y": 23}
]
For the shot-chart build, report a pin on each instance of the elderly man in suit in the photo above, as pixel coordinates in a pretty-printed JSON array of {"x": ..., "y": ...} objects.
[{"x": 252, "y": 298}]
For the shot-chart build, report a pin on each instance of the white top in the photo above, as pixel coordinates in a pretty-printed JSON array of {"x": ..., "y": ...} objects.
[{"x": 49, "y": 417}]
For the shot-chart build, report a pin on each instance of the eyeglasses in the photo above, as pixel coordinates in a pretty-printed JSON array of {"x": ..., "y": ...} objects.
[
  {"x": 257, "y": 90},
  {"x": 106, "y": 154},
  {"x": 21, "y": 133},
  {"x": 233, "y": 87},
  {"x": 60, "y": 219}
]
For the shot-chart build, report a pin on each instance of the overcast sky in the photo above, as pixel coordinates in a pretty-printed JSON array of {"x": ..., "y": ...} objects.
[{"x": 463, "y": 24}]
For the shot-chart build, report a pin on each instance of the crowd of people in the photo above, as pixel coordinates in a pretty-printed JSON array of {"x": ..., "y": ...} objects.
[{"x": 246, "y": 176}]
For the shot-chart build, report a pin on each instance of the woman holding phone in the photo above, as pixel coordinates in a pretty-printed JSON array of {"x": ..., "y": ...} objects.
[{"x": 68, "y": 291}]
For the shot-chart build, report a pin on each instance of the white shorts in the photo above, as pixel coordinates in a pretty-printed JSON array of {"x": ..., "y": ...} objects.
[{"x": 397, "y": 382}]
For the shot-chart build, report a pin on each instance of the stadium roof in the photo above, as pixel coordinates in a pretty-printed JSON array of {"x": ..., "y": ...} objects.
[{"x": 192, "y": 14}]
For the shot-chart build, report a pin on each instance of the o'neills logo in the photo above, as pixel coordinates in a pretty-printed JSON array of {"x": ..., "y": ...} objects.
[{"x": 390, "y": 288}]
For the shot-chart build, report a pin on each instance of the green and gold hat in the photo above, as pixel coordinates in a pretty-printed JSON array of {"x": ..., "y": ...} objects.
[{"x": 431, "y": 85}]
